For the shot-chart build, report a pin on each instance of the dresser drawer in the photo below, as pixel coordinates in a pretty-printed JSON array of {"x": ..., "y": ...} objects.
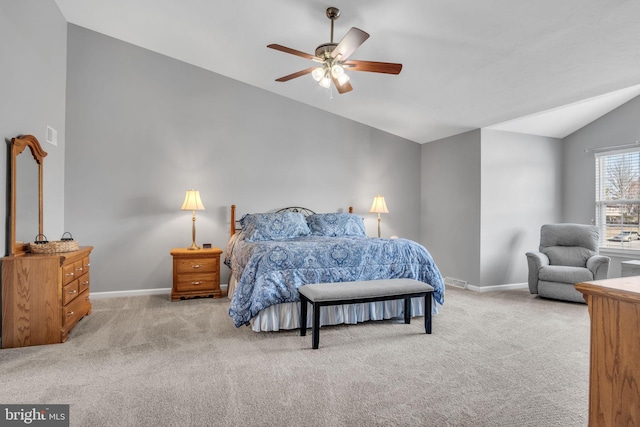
[
  {"x": 76, "y": 309},
  {"x": 68, "y": 273},
  {"x": 83, "y": 283},
  {"x": 78, "y": 268},
  {"x": 196, "y": 265},
  {"x": 86, "y": 264},
  {"x": 69, "y": 292}
]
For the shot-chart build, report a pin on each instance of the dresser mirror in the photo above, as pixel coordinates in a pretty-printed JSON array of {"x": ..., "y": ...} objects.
[{"x": 26, "y": 215}]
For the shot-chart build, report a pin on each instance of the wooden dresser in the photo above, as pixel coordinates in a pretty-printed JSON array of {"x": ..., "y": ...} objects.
[
  {"x": 614, "y": 376},
  {"x": 196, "y": 273},
  {"x": 43, "y": 296}
]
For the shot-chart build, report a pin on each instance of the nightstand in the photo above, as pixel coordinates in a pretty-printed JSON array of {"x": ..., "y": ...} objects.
[{"x": 196, "y": 273}]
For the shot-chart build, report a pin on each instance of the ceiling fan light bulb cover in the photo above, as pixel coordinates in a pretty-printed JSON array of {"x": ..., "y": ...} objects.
[
  {"x": 317, "y": 73},
  {"x": 337, "y": 71},
  {"x": 343, "y": 79},
  {"x": 325, "y": 82}
]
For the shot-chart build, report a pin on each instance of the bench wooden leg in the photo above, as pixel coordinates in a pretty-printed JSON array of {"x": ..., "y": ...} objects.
[
  {"x": 407, "y": 310},
  {"x": 315, "y": 331},
  {"x": 303, "y": 316},
  {"x": 427, "y": 312}
]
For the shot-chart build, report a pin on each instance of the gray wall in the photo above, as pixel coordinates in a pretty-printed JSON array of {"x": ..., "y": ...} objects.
[
  {"x": 619, "y": 127},
  {"x": 485, "y": 195},
  {"x": 33, "y": 45},
  {"x": 451, "y": 197},
  {"x": 521, "y": 190},
  {"x": 142, "y": 128}
]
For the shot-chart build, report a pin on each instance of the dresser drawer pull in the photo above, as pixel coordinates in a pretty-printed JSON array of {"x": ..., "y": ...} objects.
[
  {"x": 71, "y": 313},
  {"x": 79, "y": 269},
  {"x": 87, "y": 265},
  {"x": 196, "y": 266},
  {"x": 86, "y": 282},
  {"x": 70, "y": 274},
  {"x": 72, "y": 292},
  {"x": 196, "y": 283}
]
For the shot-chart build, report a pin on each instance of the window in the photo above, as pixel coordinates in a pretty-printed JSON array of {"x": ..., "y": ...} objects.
[{"x": 618, "y": 199}]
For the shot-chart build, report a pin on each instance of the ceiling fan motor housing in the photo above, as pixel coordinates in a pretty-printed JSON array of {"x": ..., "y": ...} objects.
[{"x": 324, "y": 50}]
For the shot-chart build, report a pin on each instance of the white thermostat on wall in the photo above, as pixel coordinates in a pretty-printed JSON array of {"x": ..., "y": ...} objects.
[{"x": 52, "y": 136}]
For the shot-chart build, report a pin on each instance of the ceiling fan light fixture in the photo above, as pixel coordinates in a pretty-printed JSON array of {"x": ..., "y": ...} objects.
[
  {"x": 317, "y": 73},
  {"x": 332, "y": 58}
]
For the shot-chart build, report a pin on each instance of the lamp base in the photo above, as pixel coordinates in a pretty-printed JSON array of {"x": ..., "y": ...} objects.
[{"x": 193, "y": 246}]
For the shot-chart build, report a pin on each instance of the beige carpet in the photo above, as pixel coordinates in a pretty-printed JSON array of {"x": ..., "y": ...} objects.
[{"x": 494, "y": 359}]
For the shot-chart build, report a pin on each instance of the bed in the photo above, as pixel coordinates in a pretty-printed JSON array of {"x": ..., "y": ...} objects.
[{"x": 272, "y": 254}]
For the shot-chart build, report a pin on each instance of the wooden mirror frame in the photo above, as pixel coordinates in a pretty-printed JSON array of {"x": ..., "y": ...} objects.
[{"x": 18, "y": 145}]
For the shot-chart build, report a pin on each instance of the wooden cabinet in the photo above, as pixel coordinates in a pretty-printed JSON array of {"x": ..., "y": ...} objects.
[
  {"x": 614, "y": 375},
  {"x": 44, "y": 296},
  {"x": 196, "y": 273}
]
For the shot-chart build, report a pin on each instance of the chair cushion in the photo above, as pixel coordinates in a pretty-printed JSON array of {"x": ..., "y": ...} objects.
[
  {"x": 573, "y": 256},
  {"x": 565, "y": 274}
]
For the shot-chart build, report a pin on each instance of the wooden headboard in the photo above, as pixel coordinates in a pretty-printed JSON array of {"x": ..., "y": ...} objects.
[{"x": 304, "y": 211}]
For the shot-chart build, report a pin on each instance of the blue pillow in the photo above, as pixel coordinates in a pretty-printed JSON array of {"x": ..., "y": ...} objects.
[
  {"x": 336, "y": 224},
  {"x": 274, "y": 226}
]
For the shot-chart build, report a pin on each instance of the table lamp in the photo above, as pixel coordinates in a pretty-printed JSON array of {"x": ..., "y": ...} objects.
[
  {"x": 193, "y": 203},
  {"x": 379, "y": 206}
]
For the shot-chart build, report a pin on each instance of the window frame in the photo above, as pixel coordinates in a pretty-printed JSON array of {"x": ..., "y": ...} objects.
[{"x": 621, "y": 181}]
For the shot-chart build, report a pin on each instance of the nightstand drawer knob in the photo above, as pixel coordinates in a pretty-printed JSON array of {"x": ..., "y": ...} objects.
[
  {"x": 196, "y": 283},
  {"x": 72, "y": 292},
  {"x": 70, "y": 274},
  {"x": 71, "y": 313},
  {"x": 196, "y": 266}
]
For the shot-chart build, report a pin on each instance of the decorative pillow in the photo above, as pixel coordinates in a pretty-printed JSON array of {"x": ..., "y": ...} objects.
[
  {"x": 336, "y": 224},
  {"x": 274, "y": 226}
]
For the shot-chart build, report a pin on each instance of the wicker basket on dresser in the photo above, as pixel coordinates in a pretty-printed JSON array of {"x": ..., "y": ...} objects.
[{"x": 44, "y": 296}]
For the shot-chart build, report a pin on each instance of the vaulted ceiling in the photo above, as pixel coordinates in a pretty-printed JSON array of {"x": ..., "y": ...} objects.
[{"x": 545, "y": 67}]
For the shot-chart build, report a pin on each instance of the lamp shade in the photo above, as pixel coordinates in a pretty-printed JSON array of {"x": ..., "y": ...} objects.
[
  {"x": 192, "y": 201},
  {"x": 379, "y": 205}
]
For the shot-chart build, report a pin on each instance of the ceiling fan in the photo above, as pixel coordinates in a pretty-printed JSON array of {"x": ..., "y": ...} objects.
[{"x": 334, "y": 59}]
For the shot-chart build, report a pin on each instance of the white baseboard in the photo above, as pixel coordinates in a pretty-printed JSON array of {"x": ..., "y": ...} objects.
[
  {"x": 138, "y": 292},
  {"x": 223, "y": 287},
  {"x": 497, "y": 287}
]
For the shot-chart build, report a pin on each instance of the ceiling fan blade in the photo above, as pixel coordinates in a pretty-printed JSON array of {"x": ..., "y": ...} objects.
[
  {"x": 349, "y": 43},
  {"x": 346, "y": 87},
  {"x": 294, "y": 52},
  {"x": 294, "y": 75},
  {"x": 373, "y": 66}
]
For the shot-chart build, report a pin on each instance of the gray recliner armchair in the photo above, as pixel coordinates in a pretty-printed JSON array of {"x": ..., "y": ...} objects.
[{"x": 568, "y": 254}]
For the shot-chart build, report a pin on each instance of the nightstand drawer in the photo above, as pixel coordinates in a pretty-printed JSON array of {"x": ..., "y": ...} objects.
[
  {"x": 197, "y": 265},
  {"x": 195, "y": 282}
]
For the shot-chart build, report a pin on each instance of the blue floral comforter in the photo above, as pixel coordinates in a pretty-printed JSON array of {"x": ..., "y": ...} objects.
[{"x": 270, "y": 272}]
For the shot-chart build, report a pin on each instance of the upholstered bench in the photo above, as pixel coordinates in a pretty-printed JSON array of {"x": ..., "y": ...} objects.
[{"x": 325, "y": 294}]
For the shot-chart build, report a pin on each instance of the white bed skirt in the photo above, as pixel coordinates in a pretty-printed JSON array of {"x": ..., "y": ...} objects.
[{"x": 287, "y": 315}]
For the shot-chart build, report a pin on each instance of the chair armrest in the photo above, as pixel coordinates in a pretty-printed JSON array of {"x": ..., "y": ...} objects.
[
  {"x": 535, "y": 260},
  {"x": 599, "y": 266}
]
